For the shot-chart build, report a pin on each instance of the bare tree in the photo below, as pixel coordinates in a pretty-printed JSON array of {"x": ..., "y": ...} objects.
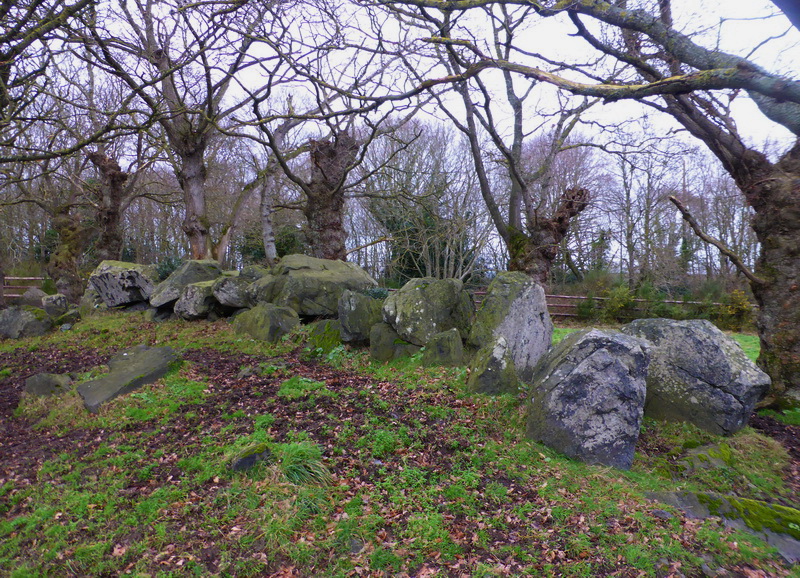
[
  {"x": 180, "y": 62},
  {"x": 679, "y": 76}
]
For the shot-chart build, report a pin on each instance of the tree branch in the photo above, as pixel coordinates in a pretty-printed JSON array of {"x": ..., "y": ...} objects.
[{"x": 734, "y": 258}]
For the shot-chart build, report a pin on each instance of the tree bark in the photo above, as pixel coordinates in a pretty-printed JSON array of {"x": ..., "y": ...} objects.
[
  {"x": 2, "y": 286},
  {"x": 331, "y": 161},
  {"x": 267, "y": 224},
  {"x": 192, "y": 179},
  {"x": 63, "y": 266},
  {"x": 777, "y": 226},
  {"x": 109, "y": 211},
  {"x": 533, "y": 252}
]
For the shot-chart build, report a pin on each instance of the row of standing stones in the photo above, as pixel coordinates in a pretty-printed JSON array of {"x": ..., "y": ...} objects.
[{"x": 586, "y": 397}]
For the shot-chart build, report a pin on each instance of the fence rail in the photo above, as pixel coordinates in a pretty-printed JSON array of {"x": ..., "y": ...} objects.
[
  {"x": 12, "y": 287},
  {"x": 566, "y": 306}
]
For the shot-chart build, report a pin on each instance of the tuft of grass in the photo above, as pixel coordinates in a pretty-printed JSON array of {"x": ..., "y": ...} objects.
[{"x": 301, "y": 463}]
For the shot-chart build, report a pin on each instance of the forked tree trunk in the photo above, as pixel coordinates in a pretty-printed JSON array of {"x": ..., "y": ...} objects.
[
  {"x": 533, "y": 253},
  {"x": 331, "y": 161}
]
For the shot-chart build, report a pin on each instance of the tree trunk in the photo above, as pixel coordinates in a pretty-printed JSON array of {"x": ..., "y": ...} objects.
[
  {"x": 776, "y": 198},
  {"x": 324, "y": 213},
  {"x": 2, "y": 288},
  {"x": 192, "y": 178},
  {"x": 331, "y": 161},
  {"x": 268, "y": 225},
  {"x": 63, "y": 266},
  {"x": 109, "y": 213},
  {"x": 533, "y": 253}
]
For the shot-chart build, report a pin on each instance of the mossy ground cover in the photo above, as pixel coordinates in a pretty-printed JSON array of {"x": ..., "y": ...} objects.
[{"x": 369, "y": 470}]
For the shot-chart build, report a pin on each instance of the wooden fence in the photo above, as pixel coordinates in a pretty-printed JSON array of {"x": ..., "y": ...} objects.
[
  {"x": 566, "y": 306},
  {"x": 16, "y": 286}
]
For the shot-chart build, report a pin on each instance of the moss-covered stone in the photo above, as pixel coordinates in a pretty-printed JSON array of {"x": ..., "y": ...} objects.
[
  {"x": 779, "y": 525},
  {"x": 492, "y": 371},
  {"x": 249, "y": 457},
  {"x": 358, "y": 312},
  {"x": 424, "y": 307},
  {"x": 25, "y": 321},
  {"x": 444, "y": 349},
  {"x": 385, "y": 344},
  {"x": 310, "y": 286},
  {"x": 266, "y": 322},
  {"x": 170, "y": 289},
  {"x": 196, "y": 301},
  {"x": 325, "y": 335}
]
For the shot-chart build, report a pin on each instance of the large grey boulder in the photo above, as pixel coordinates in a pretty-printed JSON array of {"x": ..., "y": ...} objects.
[
  {"x": 310, "y": 286},
  {"x": 587, "y": 397},
  {"x": 196, "y": 301},
  {"x": 47, "y": 384},
  {"x": 514, "y": 308},
  {"x": 18, "y": 322},
  {"x": 32, "y": 298},
  {"x": 698, "y": 374},
  {"x": 170, "y": 289},
  {"x": 358, "y": 312},
  {"x": 386, "y": 345},
  {"x": 55, "y": 305},
  {"x": 424, "y": 307},
  {"x": 492, "y": 370},
  {"x": 444, "y": 350},
  {"x": 130, "y": 370},
  {"x": 231, "y": 290},
  {"x": 266, "y": 322},
  {"x": 120, "y": 283}
]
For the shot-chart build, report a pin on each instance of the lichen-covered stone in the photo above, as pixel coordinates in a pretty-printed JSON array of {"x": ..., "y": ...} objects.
[
  {"x": 698, "y": 374},
  {"x": 266, "y": 322},
  {"x": 444, "y": 349},
  {"x": 385, "y": 344},
  {"x": 120, "y": 283},
  {"x": 231, "y": 290},
  {"x": 170, "y": 289},
  {"x": 47, "y": 384},
  {"x": 310, "y": 286},
  {"x": 196, "y": 301},
  {"x": 492, "y": 371},
  {"x": 515, "y": 308},
  {"x": 130, "y": 370},
  {"x": 424, "y": 307},
  {"x": 587, "y": 397},
  {"x": 18, "y": 322},
  {"x": 358, "y": 312},
  {"x": 55, "y": 305}
]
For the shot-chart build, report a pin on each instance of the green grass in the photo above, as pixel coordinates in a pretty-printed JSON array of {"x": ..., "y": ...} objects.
[{"x": 384, "y": 468}]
